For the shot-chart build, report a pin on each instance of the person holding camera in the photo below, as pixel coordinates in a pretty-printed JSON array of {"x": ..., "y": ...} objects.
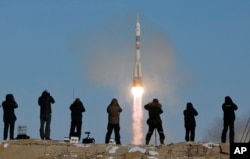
[
  {"x": 229, "y": 108},
  {"x": 154, "y": 121},
  {"x": 189, "y": 121},
  {"x": 9, "y": 117},
  {"x": 45, "y": 101},
  {"x": 77, "y": 109},
  {"x": 114, "y": 111}
]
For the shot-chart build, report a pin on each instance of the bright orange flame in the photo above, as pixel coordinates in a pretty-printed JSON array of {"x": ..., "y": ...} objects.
[{"x": 137, "y": 115}]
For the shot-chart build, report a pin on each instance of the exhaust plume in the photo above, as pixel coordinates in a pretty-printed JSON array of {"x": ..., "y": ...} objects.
[{"x": 107, "y": 57}]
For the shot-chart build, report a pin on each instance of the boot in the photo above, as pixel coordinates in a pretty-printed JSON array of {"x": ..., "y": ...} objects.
[
  {"x": 162, "y": 141},
  {"x": 147, "y": 142}
]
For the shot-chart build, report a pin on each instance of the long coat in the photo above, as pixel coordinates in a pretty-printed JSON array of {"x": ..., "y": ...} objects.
[{"x": 114, "y": 110}]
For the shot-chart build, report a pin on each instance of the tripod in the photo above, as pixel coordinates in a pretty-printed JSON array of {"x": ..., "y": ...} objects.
[
  {"x": 246, "y": 132},
  {"x": 88, "y": 140}
]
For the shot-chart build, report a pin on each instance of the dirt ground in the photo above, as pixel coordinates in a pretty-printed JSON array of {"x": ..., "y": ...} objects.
[{"x": 38, "y": 149}]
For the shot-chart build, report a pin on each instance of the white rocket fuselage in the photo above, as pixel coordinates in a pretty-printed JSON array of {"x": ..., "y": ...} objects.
[{"x": 137, "y": 80}]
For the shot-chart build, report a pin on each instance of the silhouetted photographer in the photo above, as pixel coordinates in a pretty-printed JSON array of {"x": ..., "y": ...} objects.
[{"x": 228, "y": 108}]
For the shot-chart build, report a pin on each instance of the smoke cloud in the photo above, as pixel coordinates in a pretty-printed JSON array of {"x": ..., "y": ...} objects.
[
  {"x": 105, "y": 53},
  {"x": 213, "y": 133},
  {"x": 108, "y": 54},
  {"x": 108, "y": 57}
]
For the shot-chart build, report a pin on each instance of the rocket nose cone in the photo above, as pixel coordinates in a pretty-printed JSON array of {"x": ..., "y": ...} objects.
[{"x": 138, "y": 25}]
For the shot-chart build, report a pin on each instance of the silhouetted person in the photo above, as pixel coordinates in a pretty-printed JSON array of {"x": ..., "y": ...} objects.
[
  {"x": 9, "y": 117},
  {"x": 77, "y": 109},
  {"x": 228, "y": 108},
  {"x": 45, "y": 101},
  {"x": 114, "y": 111},
  {"x": 189, "y": 120},
  {"x": 154, "y": 120}
]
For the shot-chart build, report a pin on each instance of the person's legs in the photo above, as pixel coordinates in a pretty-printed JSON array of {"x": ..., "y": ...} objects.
[
  {"x": 79, "y": 129},
  {"x": 187, "y": 134},
  {"x": 192, "y": 136},
  {"x": 42, "y": 121},
  {"x": 161, "y": 133},
  {"x": 47, "y": 127},
  {"x": 109, "y": 132},
  {"x": 72, "y": 128},
  {"x": 224, "y": 132},
  {"x": 150, "y": 132},
  {"x": 12, "y": 127},
  {"x": 231, "y": 132},
  {"x": 117, "y": 133},
  {"x": 5, "y": 130}
]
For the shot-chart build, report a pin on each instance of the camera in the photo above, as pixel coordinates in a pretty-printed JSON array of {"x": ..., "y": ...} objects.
[
  {"x": 87, "y": 133},
  {"x": 88, "y": 140}
]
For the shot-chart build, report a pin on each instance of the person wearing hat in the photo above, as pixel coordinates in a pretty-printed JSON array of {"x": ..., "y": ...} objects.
[{"x": 154, "y": 121}]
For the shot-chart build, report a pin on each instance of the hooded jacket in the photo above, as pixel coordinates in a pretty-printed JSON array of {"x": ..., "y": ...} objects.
[
  {"x": 189, "y": 115},
  {"x": 77, "y": 109},
  {"x": 228, "y": 108},
  {"x": 114, "y": 110},
  {"x": 154, "y": 111},
  {"x": 44, "y": 102},
  {"x": 8, "y": 108}
]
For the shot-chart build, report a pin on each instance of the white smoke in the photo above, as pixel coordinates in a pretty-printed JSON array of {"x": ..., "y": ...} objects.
[
  {"x": 108, "y": 57},
  {"x": 137, "y": 119},
  {"x": 214, "y": 131}
]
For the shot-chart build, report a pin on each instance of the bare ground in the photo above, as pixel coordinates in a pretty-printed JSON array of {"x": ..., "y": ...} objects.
[{"x": 38, "y": 149}]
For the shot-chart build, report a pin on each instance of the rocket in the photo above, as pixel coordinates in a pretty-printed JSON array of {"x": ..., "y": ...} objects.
[{"x": 137, "y": 79}]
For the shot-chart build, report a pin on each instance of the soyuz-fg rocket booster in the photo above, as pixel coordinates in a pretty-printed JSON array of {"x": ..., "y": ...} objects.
[{"x": 137, "y": 80}]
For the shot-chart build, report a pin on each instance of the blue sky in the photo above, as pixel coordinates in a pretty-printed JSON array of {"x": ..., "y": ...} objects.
[{"x": 191, "y": 51}]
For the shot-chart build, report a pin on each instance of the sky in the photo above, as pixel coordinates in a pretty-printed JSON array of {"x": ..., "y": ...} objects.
[{"x": 191, "y": 51}]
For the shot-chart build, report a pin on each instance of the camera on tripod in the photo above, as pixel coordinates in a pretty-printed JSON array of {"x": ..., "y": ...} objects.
[
  {"x": 87, "y": 133},
  {"x": 88, "y": 140}
]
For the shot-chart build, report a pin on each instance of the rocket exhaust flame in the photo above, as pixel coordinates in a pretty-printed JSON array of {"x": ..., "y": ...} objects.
[{"x": 137, "y": 115}]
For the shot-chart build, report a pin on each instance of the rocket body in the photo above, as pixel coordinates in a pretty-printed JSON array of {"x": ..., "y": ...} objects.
[{"x": 137, "y": 79}]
